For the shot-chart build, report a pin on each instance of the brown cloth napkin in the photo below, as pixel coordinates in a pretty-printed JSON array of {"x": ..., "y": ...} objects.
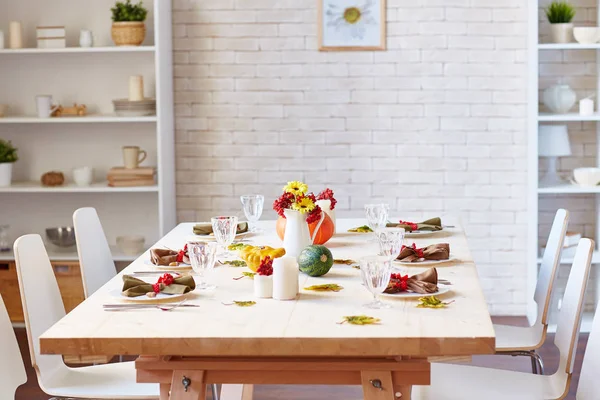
[
  {"x": 433, "y": 224},
  {"x": 133, "y": 287},
  {"x": 440, "y": 251},
  {"x": 206, "y": 229},
  {"x": 423, "y": 283},
  {"x": 163, "y": 257}
]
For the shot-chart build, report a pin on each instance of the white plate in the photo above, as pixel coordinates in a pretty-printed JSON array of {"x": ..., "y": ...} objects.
[
  {"x": 168, "y": 267},
  {"x": 425, "y": 263},
  {"x": 411, "y": 295},
  {"x": 116, "y": 294},
  {"x": 212, "y": 237}
]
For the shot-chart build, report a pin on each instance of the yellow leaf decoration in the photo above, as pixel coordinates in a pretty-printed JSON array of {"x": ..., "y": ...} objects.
[
  {"x": 236, "y": 246},
  {"x": 345, "y": 262},
  {"x": 245, "y": 275},
  {"x": 360, "y": 320},
  {"x": 432, "y": 302},
  {"x": 241, "y": 303},
  {"x": 235, "y": 263},
  {"x": 328, "y": 287},
  {"x": 361, "y": 229}
]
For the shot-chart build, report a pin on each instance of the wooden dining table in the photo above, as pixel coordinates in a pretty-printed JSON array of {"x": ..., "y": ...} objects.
[{"x": 299, "y": 341}]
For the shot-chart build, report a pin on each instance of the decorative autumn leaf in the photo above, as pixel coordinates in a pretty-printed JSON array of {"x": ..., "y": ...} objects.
[
  {"x": 361, "y": 229},
  {"x": 235, "y": 263},
  {"x": 328, "y": 287},
  {"x": 432, "y": 302},
  {"x": 360, "y": 320},
  {"x": 245, "y": 275},
  {"x": 356, "y": 266},
  {"x": 236, "y": 246},
  {"x": 240, "y": 303},
  {"x": 345, "y": 262}
]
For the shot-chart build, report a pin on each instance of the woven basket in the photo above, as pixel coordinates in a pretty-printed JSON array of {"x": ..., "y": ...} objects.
[{"x": 128, "y": 33}]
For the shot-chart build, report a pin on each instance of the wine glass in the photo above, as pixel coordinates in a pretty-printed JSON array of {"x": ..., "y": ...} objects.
[
  {"x": 253, "y": 207},
  {"x": 377, "y": 215},
  {"x": 224, "y": 229},
  {"x": 376, "y": 272},
  {"x": 390, "y": 242},
  {"x": 202, "y": 256}
]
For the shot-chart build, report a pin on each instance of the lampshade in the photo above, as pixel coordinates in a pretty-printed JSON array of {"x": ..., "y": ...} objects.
[{"x": 553, "y": 141}]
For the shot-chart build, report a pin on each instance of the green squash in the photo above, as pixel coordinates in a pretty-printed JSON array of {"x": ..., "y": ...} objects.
[{"x": 315, "y": 260}]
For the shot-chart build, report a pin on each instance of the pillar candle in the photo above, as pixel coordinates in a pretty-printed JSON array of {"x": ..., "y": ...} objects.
[
  {"x": 16, "y": 36},
  {"x": 136, "y": 88},
  {"x": 285, "y": 278}
]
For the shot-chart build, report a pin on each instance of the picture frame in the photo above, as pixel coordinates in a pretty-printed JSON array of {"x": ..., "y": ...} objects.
[{"x": 351, "y": 25}]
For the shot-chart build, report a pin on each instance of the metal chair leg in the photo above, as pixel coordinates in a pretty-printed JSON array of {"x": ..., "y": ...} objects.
[
  {"x": 534, "y": 364},
  {"x": 537, "y": 365},
  {"x": 539, "y": 362},
  {"x": 215, "y": 391}
]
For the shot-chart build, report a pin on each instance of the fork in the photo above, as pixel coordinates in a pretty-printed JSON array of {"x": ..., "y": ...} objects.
[{"x": 162, "y": 307}]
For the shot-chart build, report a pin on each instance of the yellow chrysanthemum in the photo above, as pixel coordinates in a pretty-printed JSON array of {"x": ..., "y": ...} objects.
[
  {"x": 296, "y": 188},
  {"x": 304, "y": 205}
]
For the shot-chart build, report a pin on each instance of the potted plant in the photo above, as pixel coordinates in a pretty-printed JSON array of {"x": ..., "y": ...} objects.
[
  {"x": 560, "y": 14},
  {"x": 128, "y": 28},
  {"x": 8, "y": 155}
]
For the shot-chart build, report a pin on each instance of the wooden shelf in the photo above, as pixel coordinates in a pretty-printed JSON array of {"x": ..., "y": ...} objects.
[
  {"x": 36, "y": 187},
  {"x": 568, "y": 46},
  {"x": 70, "y": 254},
  {"x": 547, "y": 117},
  {"x": 107, "y": 49},
  {"x": 568, "y": 188},
  {"x": 91, "y": 119}
]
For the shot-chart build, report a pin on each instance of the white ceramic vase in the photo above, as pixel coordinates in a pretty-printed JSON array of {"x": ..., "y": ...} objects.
[
  {"x": 562, "y": 33},
  {"x": 263, "y": 286},
  {"x": 5, "y": 174},
  {"x": 326, "y": 207},
  {"x": 559, "y": 98},
  {"x": 297, "y": 236}
]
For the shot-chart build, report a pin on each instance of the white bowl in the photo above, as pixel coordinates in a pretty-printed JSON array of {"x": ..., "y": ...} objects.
[
  {"x": 131, "y": 245},
  {"x": 586, "y": 34},
  {"x": 587, "y": 176}
]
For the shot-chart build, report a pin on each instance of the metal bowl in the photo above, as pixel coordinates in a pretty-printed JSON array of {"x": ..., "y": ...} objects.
[{"x": 63, "y": 236}]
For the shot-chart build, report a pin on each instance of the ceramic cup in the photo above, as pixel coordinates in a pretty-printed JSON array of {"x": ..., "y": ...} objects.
[
  {"x": 83, "y": 176},
  {"x": 131, "y": 245},
  {"x": 86, "y": 39},
  {"x": 586, "y": 176},
  {"x": 44, "y": 106},
  {"x": 133, "y": 156}
]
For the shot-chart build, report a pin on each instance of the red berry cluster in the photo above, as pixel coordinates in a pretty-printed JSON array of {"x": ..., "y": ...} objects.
[
  {"x": 327, "y": 194},
  {"x": 399, "y": 282},
  {"x": 283, "y": 202},
  {"x": 164, "y": 280},
  {"x": 266, "y": 267},
  {"x": 314, "y": 215},
  {"x": 412, "y": 225},
  {"x": 182, "y": 253}
]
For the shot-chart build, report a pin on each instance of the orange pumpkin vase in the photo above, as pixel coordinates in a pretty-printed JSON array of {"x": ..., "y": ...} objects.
[{"x": 325, "y": 232}]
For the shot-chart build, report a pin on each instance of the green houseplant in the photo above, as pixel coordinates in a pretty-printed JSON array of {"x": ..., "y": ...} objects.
[
  {"x": 128, "y": 28},
  {"x": 8, "y": 155},
  {"x": 560, "y": 14}
]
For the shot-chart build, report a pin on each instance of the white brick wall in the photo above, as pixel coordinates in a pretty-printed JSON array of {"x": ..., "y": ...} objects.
[{"x": 434, "y": 125}]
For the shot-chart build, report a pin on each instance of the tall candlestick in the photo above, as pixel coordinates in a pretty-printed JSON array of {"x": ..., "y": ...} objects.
[
  {"x": 136, "y": 88},
  {"x": 16, "y": 35},
  {"x": 285, "y": 278}
]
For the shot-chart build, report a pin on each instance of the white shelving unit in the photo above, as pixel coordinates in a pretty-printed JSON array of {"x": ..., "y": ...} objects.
[{"x": 92, "y": 76}]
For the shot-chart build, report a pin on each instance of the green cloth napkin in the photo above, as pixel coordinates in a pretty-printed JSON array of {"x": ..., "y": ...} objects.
[
  {"x": 433, "y": 224},
  {"x": 134, "y": 287},
  {"x": 206, "y": 229}
]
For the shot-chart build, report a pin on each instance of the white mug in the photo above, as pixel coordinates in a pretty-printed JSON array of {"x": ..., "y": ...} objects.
[
  {"x": 44, "y": 106},
  {"x": 85, "y": 38},
  {"x": 83, "y": 176}
]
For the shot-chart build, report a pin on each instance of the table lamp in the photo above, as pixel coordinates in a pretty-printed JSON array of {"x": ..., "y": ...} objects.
[{"x": 553, "y": 142}]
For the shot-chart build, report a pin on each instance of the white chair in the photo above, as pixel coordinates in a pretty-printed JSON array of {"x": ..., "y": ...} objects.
[
  {"x": 95, "y": 259},
  {"x": 12, "y": 369},
  {"x": 524, "y": 341},
  {"x": 43, "y": 307},
  {"x": 589, "y": 384},
  {"x": 459, "y": 382}
]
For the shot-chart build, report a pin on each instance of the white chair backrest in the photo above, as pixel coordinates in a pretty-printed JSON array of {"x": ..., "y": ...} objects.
[
  {"x": 95, "y": 259},
  {"x": 12, "y": 370},
  {"x": 589, "y": 384},
  {"x": 550, "y": 265},
  {"x": 42, "y": 303},
  {"x": 569, "y": 317}
]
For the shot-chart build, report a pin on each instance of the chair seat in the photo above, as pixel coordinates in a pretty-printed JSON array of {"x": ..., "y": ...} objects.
[
  {"x": 108, "y": 381},
  {"x": 510, "y": 337},
  {"x": 465, "y": 382}
]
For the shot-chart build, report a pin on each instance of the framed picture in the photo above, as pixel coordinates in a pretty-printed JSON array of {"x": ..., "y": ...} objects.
[{"x": 351, "y": 25}]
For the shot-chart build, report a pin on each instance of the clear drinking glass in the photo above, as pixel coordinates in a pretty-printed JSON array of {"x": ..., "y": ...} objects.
[
  {"x": 253, "y": 207},
  {"x": 376, "y": 272},
  {"x": 390, "y": 242},
  {"x": 224, "y": 229},
  {"x": 203, "y": 256},
  {"x": 377, "y": 215}
]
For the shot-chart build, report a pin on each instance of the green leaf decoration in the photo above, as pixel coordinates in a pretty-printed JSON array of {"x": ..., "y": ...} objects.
[
  {"x": 361, "y": 229},
  {"x": 356, "y": 266},
  {"x": 244, "y": 303},
  {"x": 560, "y": 12},
  {"x": 345, "y": 262},
  {"x": 245, "y": 275},
  {"x": 432, "y": 302},
  {"x": 235, "y": 263},
  {"x": 127, "y": 12},
  {"x": 328, "y": 287},
  {"x": 236, "y": 246},
  {"x": 360, "y": 320}
]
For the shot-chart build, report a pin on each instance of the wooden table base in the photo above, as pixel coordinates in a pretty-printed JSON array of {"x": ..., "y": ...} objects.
[{"x": 185, "y": 378}]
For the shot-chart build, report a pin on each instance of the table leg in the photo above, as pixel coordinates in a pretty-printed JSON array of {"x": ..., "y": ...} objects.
[
  {"x": 237, "y": 392},
  {"x": 188, "y": 385},
  {"x": 165, "y": 388},
  {"x": 377, "y": 385}
]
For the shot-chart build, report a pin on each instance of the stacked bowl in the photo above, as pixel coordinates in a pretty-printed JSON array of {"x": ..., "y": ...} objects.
[{"x": 126, "y": 108}]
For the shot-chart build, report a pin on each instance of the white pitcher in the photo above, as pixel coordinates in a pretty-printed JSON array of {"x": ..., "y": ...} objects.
[
  {"x": 326, "y": 207},
  {"x": 297, "y": 236}
]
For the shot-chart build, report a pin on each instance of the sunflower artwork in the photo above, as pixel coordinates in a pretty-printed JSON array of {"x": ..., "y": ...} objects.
[{"x": 351, "y": 25}]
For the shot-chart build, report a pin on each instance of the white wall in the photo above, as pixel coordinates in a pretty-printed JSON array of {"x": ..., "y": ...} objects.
[{"x": 436, "y": 124}]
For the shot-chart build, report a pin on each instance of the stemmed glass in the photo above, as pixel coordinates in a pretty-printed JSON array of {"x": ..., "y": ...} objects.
[
  {"x": 224, "y": 229},
  {"x": 203, "y": 256},
  {"x": 377, "y": 216},
  {"x": 253, "y": 207},
  {"x": 376, "y": 272},
  {"x": 390, "y": 242}
]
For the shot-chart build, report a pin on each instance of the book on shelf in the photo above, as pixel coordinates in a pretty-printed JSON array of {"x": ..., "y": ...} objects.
[
  {"x": 131, "y": 182},
  {"x": 122, "y": 171}
]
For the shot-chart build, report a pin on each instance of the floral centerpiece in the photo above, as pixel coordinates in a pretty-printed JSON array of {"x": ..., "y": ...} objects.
[{"x": 327, "y": 202}]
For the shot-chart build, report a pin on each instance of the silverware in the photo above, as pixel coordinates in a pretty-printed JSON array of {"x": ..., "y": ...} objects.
[
  {"x": 162, "y": 307},
  {"x": 153, "y": 272},
  {"x": 444, "y": 282}
]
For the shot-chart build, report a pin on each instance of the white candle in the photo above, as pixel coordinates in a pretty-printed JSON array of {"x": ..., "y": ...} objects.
[
  {"x": 285, "y": 278},
  {"x": 136, "y": 88},
  {"x": 586, "y": 107},
  {"x": 263, "y": 286},
  {"x": 16, "y": 36}
]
